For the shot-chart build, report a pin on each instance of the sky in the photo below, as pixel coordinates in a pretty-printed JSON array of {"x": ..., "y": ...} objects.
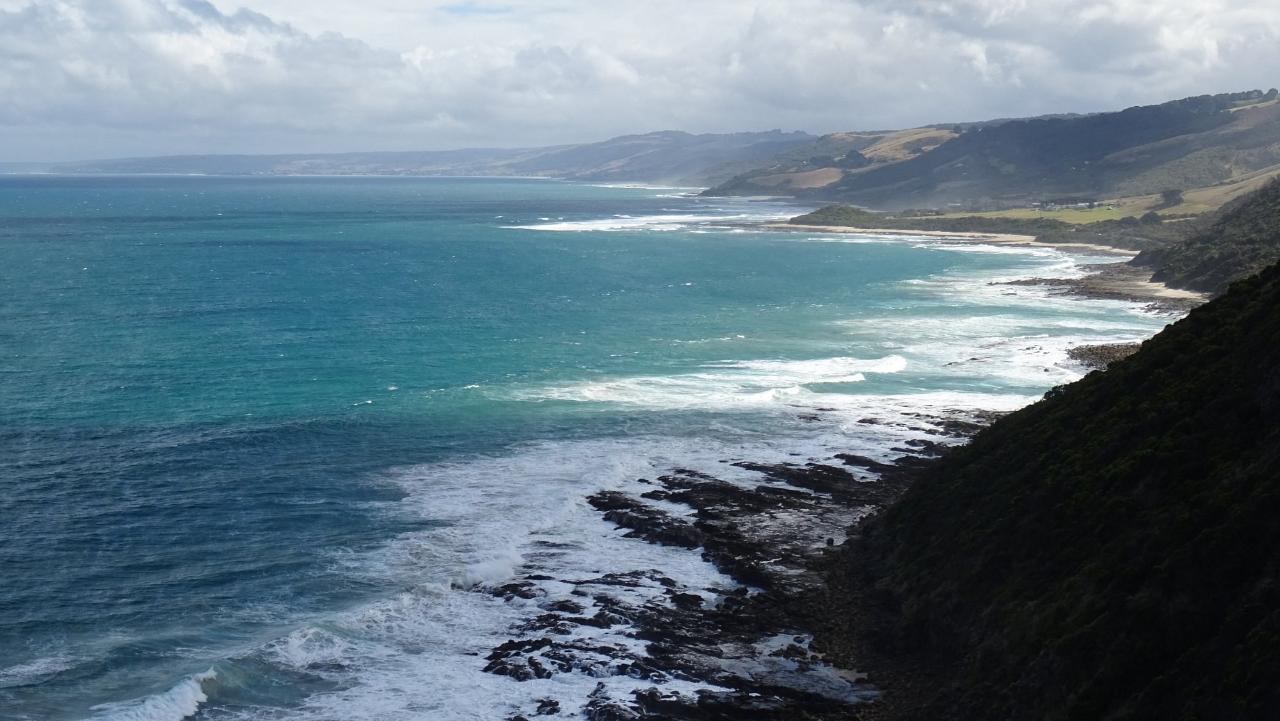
[{"x": 87, "y": 79}]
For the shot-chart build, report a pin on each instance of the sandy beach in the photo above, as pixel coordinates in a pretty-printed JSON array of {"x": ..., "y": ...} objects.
[{"x": 1123, "y": 279}]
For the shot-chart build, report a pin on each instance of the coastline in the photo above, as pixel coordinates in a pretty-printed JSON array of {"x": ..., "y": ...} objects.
[
  {"x": 989, "y": 237},
  {"x": 1121, "y": 281},
  {"x": 775, "y": 645},
  {"x": 787, "y": 640},
  {"x": 718, "y": 595},
  {"x": 1118, "y": 281}
]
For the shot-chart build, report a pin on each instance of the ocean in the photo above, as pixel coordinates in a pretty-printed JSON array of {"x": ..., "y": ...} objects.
[{"x": 262, "y": 440}]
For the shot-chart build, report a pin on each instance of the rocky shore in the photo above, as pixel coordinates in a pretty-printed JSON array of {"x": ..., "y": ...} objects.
[
  {"x": 762, "y": 647},
  {"x": 1121, "y": 281}
]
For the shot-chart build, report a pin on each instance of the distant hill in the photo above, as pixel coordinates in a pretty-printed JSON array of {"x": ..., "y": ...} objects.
[
  {"x": 1244, "y": 239},
  {"x": 1111, "y": 552},
  {"x": 1180, "y": 145},
  {"x": 664, "y": 157}
]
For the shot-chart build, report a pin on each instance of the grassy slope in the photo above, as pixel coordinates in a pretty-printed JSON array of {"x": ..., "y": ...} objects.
[
  {"x": 1206, "y": 143},
  {"x": 1125, "y": 233},
  {"x": 816, "y": 166},
  {"x": 1111, "y": 552},
  {"x": 1075, "y": 216},
  {"x": 907, "y": 144}
]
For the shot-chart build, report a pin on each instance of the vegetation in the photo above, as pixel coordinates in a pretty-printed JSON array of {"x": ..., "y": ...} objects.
[
  {"x": 1111, "y": 552},
  {"x": 1242, "y": 241},
  {"x": 845, "y": 216},
  {"x": 1194, "y": 143},
  {"x": 1171, "y": 198},
  {"x": 1127, "y": 232},
  {"x": 1204, "y": 254},
  {"x": 1074, "y": 216},
  {"x": 848, "y": 152}
]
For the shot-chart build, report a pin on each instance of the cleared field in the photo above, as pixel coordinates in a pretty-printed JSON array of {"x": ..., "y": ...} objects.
[
  {"x": 1067, "y": 215},
  {"x": 819, "y": 178},
  {"x": 1259, "y": 104},
  {"x": 1194, "y": 202},
  {"x": 1203, "y": 200},
  {"x": 906, "y": 144}
]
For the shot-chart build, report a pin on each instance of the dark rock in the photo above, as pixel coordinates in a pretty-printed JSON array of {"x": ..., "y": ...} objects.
[
  {"x": 601, "y": 707},
  {"x": 850, "y": 459},
  {"x": 566, "y": 606},
  {"x": 645, "y": 521},
  {"x": 517, "y": 589},
  {"x": 687, "y": 601}
]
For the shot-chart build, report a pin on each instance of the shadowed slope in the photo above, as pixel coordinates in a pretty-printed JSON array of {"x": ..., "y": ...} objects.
[
  {"x": 1244, "y": 240},
  {"x": 1112, "y": 552}
]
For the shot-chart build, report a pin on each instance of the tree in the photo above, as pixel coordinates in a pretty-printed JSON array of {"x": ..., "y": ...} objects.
[{"x": 1170, "y": 198}]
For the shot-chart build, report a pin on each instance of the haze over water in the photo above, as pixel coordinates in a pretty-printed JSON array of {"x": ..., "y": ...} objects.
[{"x": 258, "y": 437}]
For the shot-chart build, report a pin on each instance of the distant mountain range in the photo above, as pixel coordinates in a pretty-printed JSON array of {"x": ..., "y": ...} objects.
[
  {"x": 1194, "y": 143},
  {"x": 1210, "y": 148},
  {"x": 665, "y": 157}
]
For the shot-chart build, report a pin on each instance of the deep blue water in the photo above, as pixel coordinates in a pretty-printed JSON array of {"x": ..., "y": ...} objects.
[{"x": 240, "y": 418}]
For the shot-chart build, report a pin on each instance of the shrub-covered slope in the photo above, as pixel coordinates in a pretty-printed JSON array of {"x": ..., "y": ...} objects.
[
  {"x": 1244, "y": 239},
  {"x": 1113, "y": 551}
]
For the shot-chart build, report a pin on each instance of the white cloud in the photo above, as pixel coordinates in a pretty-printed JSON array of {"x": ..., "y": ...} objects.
[{"x": 113, "y": 77}]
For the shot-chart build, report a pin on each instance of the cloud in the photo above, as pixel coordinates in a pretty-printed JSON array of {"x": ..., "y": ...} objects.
[
  {"x": 116, "y": 77},
  {"x": 475, "y": 8}
]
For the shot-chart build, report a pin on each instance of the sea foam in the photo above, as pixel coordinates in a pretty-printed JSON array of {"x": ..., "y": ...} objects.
[
  {"x": 724, "y": 385},
  {"x": 179, "y": 702},
  {"x": 666, "y": 222}
]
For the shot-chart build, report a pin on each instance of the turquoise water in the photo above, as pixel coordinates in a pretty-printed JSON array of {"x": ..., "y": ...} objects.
[{"x": 259, "y": 436}]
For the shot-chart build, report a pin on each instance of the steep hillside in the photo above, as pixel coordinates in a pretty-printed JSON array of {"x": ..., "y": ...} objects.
[
  {"x": 831, "y": 159},
  {"x": 1185, "y": 144},
  {"x": 1111, "y": 552},
  {"x": 664, "y": 157},
  {"x": 1243, "y": 240}
]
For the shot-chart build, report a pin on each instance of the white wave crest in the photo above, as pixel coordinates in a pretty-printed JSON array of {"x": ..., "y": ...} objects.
[
  {"x": 726, "y": 385},
  {"x": 665, "y": 222},
  {"x": 177, "y": 703}
]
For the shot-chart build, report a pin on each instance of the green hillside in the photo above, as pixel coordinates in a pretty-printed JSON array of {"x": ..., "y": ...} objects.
[{"x": 1111, "y": 552}]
